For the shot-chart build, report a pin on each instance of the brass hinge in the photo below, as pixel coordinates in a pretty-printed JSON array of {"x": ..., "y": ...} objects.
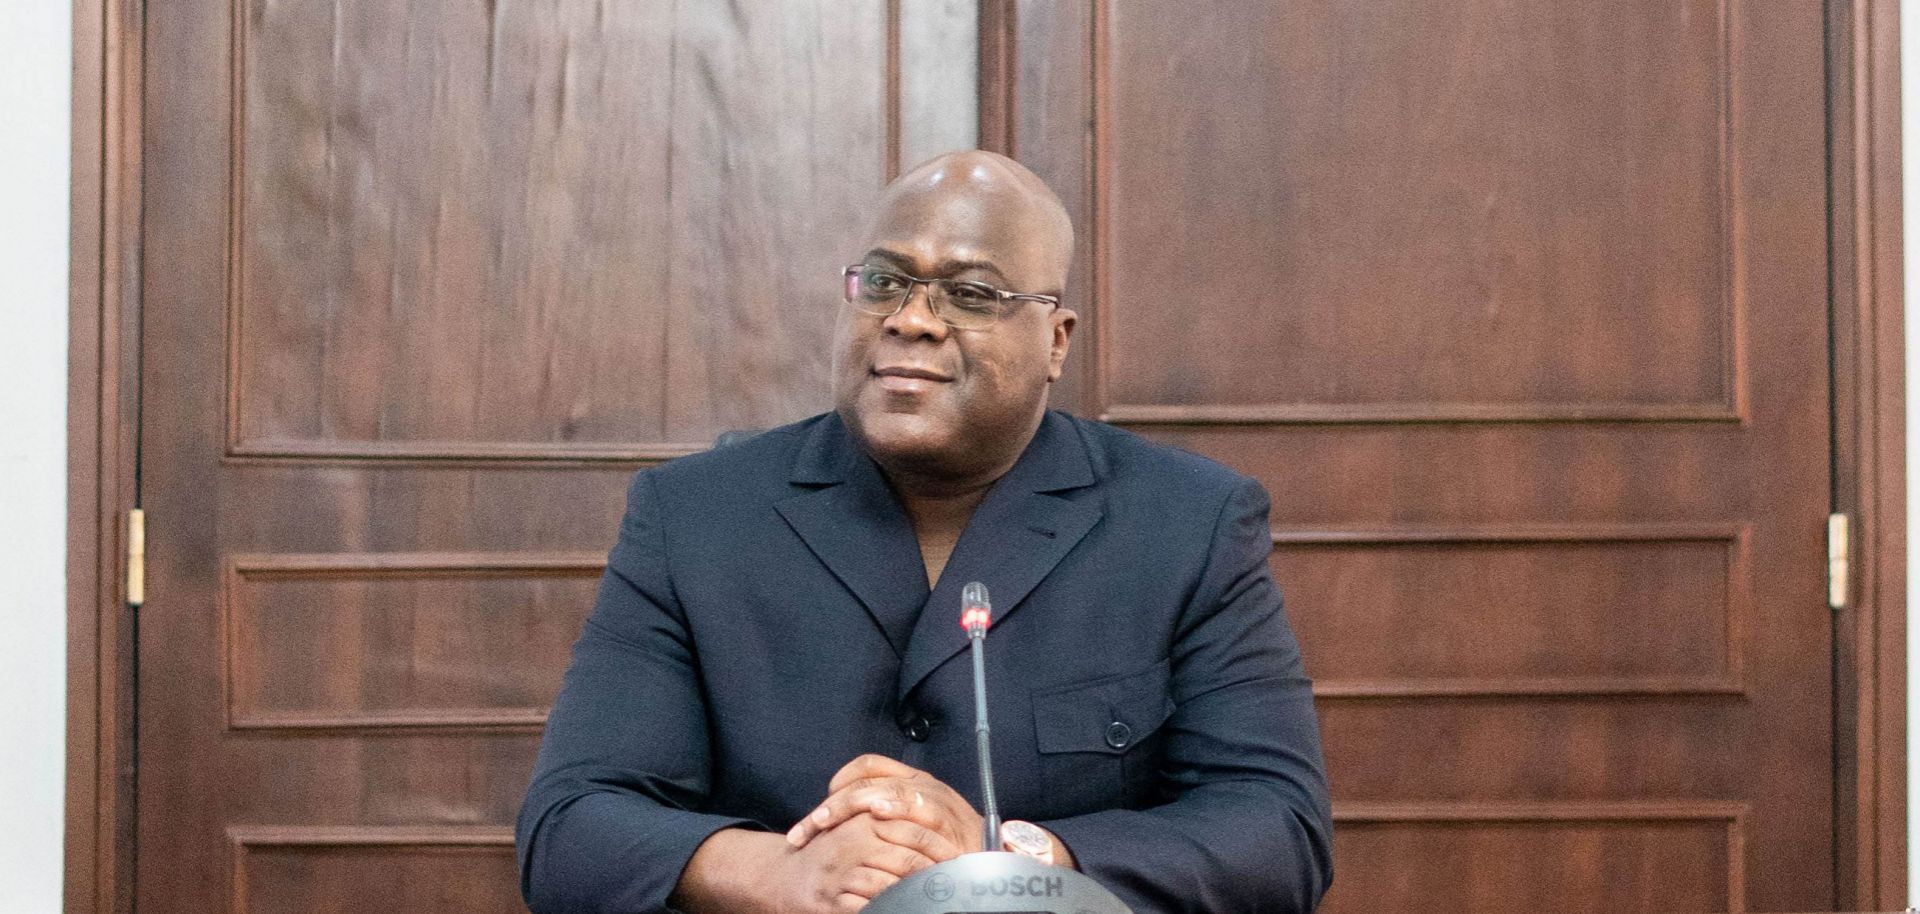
[
  {"x": 136, "y": 557},
  {"x": 1839, "y": 550}
]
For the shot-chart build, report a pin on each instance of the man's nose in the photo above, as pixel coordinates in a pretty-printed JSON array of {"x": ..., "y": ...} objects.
[{"x": 915, "y": 318}]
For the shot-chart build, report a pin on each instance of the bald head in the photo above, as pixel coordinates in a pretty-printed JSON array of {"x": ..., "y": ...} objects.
[{"x": 965, "y": 198}]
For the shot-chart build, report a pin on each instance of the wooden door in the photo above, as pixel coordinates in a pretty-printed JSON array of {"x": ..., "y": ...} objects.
[
  {"x": 1519, "y": 310},
  {"x": 425, "y": 282}
]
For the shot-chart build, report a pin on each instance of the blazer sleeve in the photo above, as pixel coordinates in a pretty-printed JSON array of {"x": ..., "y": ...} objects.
[
  {"x": 614, "y": 810},
  {"x": 1248, "y": 827}
]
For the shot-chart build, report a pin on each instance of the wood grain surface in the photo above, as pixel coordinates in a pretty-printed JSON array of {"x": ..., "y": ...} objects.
[{"x": 1519, "y": 311}]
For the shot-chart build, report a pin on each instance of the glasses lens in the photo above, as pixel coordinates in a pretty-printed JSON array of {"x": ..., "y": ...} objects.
[
  {"x": 967, "y": 305},
  {"x": 876, "y": 291}
]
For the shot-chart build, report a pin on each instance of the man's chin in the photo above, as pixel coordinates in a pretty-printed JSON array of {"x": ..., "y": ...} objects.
[{"x": 904, "y": 439}]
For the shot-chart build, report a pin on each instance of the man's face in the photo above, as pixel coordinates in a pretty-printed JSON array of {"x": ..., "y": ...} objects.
[{"x": 933, "y": 399}]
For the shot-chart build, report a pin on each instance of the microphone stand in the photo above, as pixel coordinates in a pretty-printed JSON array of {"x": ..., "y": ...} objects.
[
  {"x": 976, "y": 613},
  {"x": 990, "y": 837},
  {"x": 992, "y": 881}
]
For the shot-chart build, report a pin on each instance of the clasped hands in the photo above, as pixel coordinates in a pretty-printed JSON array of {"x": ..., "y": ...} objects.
[{"x": 881, "y": 821}]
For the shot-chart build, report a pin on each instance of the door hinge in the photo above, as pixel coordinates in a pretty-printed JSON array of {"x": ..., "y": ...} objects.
[
  {"x": 136, "y": 557},
  {"x": 1839, "y": 550}
]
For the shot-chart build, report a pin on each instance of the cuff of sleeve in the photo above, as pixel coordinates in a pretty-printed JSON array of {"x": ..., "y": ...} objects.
[
  {"x": 1120, "y": 850},
  {"x": 602, "y": 854},
  {"x": 1086, "y": 838}
]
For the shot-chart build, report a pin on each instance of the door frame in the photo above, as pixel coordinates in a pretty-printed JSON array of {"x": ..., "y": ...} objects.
[
  {"x": 102, "y": 459},
  {"x": 1869, "y": 451},
  {"x": 1869, "y": 446}
]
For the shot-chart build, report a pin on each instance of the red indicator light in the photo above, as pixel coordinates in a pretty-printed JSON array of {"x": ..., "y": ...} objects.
[{"x": 976, "y": 617}]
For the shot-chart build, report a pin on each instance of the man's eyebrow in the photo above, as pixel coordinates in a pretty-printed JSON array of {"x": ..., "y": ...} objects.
[{"x": 943, "y": 268}]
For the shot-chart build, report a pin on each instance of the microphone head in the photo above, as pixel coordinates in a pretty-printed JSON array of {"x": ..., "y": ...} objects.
[{"x": 975, "y": 612}]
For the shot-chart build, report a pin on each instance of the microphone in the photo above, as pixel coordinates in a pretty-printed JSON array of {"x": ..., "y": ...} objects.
[
  {"x": 975, "y": 615},
  {"x": 993, "y": 881}
]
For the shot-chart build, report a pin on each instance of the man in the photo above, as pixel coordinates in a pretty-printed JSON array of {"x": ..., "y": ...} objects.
[{"x": 770, "y": 709}]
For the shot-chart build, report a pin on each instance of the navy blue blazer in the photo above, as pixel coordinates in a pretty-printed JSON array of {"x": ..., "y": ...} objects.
[{"x": 765, "y": 618}]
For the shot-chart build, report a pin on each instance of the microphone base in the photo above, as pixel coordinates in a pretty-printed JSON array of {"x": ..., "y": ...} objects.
[{"x": 996, "y": 882}]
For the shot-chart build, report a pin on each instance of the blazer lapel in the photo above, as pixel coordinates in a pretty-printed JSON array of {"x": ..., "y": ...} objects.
[
  {"x": 1018, "y": 534},
  {"x": 858, "y": 529}
]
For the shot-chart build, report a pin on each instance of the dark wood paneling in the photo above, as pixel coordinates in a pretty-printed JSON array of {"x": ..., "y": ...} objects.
[
  {"x": 102, "y": 431},
  {"x": 335, "y": 641},
  {"x": 1388, "y": 475},
  {"x": 475, "y": 264},
  {"x": 1323, "y": 473},
  {"x": 1545, "y": 748},
  {"x": 999, "y": 38},
  {"x": 617, "y": 185},
  {"x": 1870, "y": 449},
  {"x": 373, "y": 870},
  {"x": 1049, "y": 129},
  {"x": 1518, "y": 611},
  {"x": 1542, "y": 857},
  {"x": 939, "y": 108},
  {"x": 1419, "y": 211},
  {"x": 1444, "y": 281}
]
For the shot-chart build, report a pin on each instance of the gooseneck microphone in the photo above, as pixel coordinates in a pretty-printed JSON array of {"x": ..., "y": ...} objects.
[
  {"x": 992, "y": 881},
  {"x": 975, "y": 615}
]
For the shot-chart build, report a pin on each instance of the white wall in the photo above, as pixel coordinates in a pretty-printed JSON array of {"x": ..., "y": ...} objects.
[{"x": 35, "y": 85}]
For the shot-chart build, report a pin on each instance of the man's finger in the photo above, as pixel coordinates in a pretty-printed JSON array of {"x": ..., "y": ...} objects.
[
  {"x": 866, "y": 882},
  {"x": 931, "y": 844},
  {"x": 849, "y": 903},
  {"x": 884, "y": 798},
  {"x": 896, "y": 859},
  {"x": 870, "y": 766}
]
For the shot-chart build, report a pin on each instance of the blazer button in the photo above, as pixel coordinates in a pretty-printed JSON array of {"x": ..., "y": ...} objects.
[
  {"x": 919, "y": 729},
  {"x": 1118, "y": 735}
]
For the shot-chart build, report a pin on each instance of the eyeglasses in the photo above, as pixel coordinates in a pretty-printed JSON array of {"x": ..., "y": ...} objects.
[{"x": 963, "y": 305}]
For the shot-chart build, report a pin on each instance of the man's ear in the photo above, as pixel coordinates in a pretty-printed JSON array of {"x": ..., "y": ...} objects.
[{"x": 1063, "y": 321}]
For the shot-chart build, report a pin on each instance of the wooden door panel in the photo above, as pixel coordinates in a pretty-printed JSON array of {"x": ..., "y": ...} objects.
[
  {"x": 1519, "y": 312},
  {"x": 1441, "y": 210},
  {"x": 1521, "y": 747},
  {"x": 425, "y": 282},
  {"x": 617, "y": 184},
  {"x": 1605, "y": 857},
  {"x": 412, "y": 505},
  {"x": 1527, "y": 476},
  {"x": 420, "y": 773},
  {"x": 325, "y": 640},
  {"x": 373, "y": 869},
  {"x": 1575, "y": 609}
]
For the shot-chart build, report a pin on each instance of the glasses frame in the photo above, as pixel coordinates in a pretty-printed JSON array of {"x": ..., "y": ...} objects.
[{"x": 851, "y": 273}]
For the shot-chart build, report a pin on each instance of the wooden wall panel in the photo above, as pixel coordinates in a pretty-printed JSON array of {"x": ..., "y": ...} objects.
[
  {"x": 426, "y": 282},
  {"x": 1871, "y": 658},
  {"x": 373, "y": 870},
  {"x": 342, "y": 640},
  {"x": 939, "y": 93},
  {"x": 1572, "y": 857},
  {"x": 1519, "y": 312},
  {"x": 1516, "y": 611},
  {"x": 1427, "y": 186},
  {"x": 1428, "y": 475},
  {"x": 504, "y": 229},
  {"x": 1529, "y": 748},
  {"x": 1047, "y": 83},
  {"x": 1409, "y": 268}
]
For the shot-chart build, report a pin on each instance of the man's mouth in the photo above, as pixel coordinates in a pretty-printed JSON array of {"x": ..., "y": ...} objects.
[{"x": 907, "y": 371}]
